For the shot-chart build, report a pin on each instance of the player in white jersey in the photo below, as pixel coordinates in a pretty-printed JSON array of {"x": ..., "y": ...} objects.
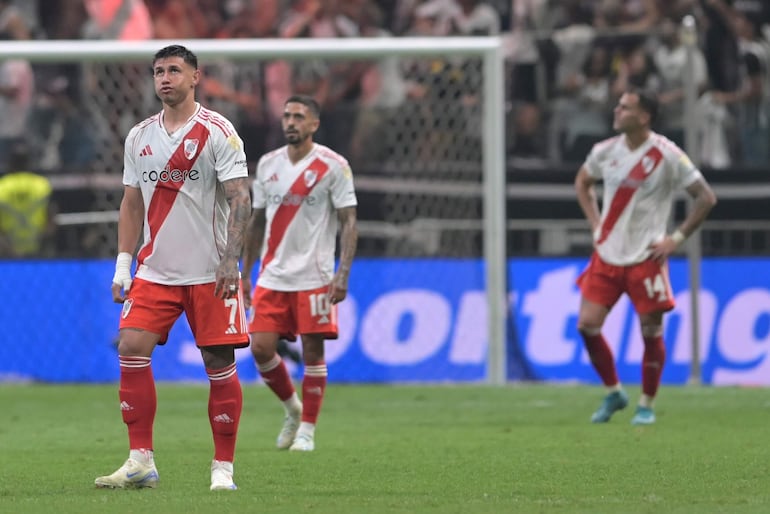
[
  {"x": 640, "y": 171},
  {"x": 186, "y": 181},
  {"x": 301, "y": 192}
]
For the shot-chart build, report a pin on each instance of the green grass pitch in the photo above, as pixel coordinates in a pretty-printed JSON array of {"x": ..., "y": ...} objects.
[{"x": 398, "y": 449}]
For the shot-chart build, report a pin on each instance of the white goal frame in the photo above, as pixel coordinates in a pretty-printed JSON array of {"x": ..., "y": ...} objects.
[{"x": 489, "y": 49}]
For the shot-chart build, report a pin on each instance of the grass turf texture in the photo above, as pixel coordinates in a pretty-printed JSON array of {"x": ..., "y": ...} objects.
[{"x": 386, "y": 449}]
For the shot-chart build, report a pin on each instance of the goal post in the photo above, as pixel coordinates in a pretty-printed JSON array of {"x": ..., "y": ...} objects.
[{"x": 489, "y": 50}]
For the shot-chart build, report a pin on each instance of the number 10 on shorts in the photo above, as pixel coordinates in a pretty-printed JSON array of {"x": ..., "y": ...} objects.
[{"x": 320, "y": 306}]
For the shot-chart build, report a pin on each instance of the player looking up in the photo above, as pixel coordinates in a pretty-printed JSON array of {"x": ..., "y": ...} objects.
[
  {"x": 186, "y": 182},
  {"x": 640, "y": 171},
  {"x": 300, "y": 194}
]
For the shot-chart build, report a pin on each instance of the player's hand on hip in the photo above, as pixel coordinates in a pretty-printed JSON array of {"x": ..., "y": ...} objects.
[{"x": 661, "y": 250}]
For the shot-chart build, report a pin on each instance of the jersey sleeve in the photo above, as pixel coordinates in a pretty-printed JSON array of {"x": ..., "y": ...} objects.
[
  {"x": 229, "y": 156},
  {"x": 685, "y": 172},
  {"x": 130, "y": 175},
  {"x": 343, "y": 193},
  {"x": 593, "y": 163},
  {"x": 258, "y": 194}
]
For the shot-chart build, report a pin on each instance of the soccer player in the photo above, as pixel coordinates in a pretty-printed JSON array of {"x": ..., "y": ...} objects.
[
  {"x": 300, "y": 194},
  {"x": 186, "y": 182},
  {"x": 641, "y": 171}
]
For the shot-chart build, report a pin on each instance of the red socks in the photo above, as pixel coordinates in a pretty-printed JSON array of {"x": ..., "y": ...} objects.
[
  {"x": 652, "y": 364},
  {"x": 276, "y": 377},
  {"x": 138, "y": 400},
  {"x": 313, "y": 388},
  {"x": 225, "y": 405},
  {"x": 601, "y": 358}
]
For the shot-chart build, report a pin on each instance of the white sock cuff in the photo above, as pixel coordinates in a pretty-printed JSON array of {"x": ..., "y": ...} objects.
[
  {"x": 222, "y": 374},
  {"x": 270, "y": 365},
  {"x": 318, "y": 370},
  {"x": 134, "y": 362}
]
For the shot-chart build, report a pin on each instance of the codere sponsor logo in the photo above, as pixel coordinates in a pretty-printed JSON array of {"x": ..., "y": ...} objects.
[
  {"x": 170, "y": 175},
  {"x": 291, "y": 199}
]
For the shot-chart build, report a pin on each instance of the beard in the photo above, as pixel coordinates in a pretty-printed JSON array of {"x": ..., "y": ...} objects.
[{"x": 293, "y": 138}]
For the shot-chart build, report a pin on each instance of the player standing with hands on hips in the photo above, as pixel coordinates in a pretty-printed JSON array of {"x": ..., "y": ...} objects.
[
  {"x": 186, "y": 181},
  {"x": 640, "y": 171},
  {"x": 301, "y": 193}
]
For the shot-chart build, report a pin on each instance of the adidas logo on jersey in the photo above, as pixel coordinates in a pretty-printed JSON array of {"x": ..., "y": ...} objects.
[
  {"x": 125, "y": 406},
  {"x": 231, "y": 330},
  {"x": 223, "y": 418},
  {"x": 273, "y": 178},
  {"x": 145, "y": 151}
]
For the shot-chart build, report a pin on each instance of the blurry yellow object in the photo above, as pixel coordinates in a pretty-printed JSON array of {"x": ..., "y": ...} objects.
[{"x": 24, "y": 200}]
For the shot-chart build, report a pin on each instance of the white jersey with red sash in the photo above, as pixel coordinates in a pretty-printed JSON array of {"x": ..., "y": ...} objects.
[
  {"x": 639, "y": 189},
  {"x": 180, "y": 175},
  {"x": 300, "y": 202}
]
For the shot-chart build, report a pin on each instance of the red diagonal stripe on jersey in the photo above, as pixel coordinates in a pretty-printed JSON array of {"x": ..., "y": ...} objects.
[
  {"x": 630, "y": 185},
  {"x": 166, "y": 192},
  {"x": 285, "y": 213}
]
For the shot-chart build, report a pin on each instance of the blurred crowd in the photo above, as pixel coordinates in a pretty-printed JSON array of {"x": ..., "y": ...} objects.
[{"x": 568, "y": 61}]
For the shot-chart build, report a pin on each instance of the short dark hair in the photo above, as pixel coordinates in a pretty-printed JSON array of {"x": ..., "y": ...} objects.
[
  {"x": 176, "y": 51},
  {"x": 648, "y": 102},
  {"x": 307, "y": 101}
]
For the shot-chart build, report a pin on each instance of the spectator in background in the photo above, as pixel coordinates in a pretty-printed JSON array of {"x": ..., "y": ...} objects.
[
  {"x": 17, "y": 87},
  {"x": 749, "y": 103},
  {"x": 12, "y": 22},
  {"x": 64, "y": 141},
  {"x": 583, "y": 111},
  {"x": 239, "y": 87},
  {"x": 461, "y": 17},
  {"x": 670, "y": 59},
  {"x": 62, "y": 19},
  {"x": 527, "y": 138},
  {"x": 332, "y": 19},
  {"x": 526, "y": 92},
  {"x": 635, "y": 69},
  {"x": 442, "y": 92},
  {"x": 117, "y": 19},
  {"x": 26, "y": 221},
  {"x": 174, "y": 19},
  {"x": 571, "y": 44},
  {"x": 720, "y": 46},
  {"x": 474, "y": 18},
  {"x": 383, "y": 93},
  {"x": 630, "y": 16},
  {"x": 123, "y": 82}
]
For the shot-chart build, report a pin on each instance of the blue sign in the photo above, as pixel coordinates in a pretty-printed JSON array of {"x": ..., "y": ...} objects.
[{"x": 415, "y": 320}]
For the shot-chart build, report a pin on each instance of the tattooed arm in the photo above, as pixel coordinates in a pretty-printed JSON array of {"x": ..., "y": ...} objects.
[
  {"x": 348, "y": 242},
  {"x": 252, "y": 245},
  {"x": 237, "y": 195}
]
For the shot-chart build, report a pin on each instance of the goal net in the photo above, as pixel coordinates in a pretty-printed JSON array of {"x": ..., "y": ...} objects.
[{"x": 420, "y": 119}]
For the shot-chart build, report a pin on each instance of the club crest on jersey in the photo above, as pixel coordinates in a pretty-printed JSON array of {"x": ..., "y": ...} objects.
[
  {"x": 190, "y": 147},
  {"x": 126, "y": 308},
  {"x": 310, "y": 177},
  {"x": 648, "y": 164}
]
